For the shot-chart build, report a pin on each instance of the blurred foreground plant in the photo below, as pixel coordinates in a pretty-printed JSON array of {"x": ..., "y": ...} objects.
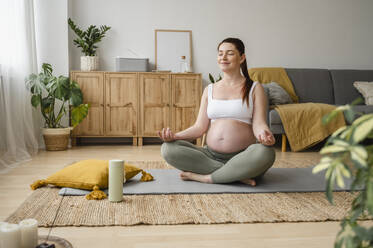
[{"x": 348, "y": 153}]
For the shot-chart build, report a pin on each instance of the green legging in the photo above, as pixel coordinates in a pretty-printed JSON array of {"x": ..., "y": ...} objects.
[{"x": 252, "y": 162}]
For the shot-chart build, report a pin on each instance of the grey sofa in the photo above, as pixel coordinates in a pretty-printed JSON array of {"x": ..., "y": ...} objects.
[{"x": 323, "y": 86}]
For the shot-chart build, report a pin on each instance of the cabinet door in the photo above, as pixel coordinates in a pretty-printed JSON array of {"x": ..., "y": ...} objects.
[
  {"x": 186, "y": 97},
  {"x": 155, "y": 99},
  {"x": 92, "y": 86},
  {"x": 121, "y": 90}
]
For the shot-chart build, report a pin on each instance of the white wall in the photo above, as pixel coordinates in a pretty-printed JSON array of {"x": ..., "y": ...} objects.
[
  {"x": 288, "y": 33},
  {"x": 51, "y": 34}
]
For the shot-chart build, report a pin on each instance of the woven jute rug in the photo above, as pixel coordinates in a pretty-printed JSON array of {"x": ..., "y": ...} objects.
[{"x": 181, "y": 208}]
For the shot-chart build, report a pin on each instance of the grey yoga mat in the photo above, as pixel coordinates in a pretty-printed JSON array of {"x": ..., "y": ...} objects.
[{"x": 167, "y": 181}]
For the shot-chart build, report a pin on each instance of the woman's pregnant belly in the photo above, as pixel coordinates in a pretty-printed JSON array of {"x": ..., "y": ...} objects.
[{"x": 227, "y": 136}]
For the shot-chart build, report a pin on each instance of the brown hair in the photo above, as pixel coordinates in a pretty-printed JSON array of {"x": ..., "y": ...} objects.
[{"x": 241, "y": 49}]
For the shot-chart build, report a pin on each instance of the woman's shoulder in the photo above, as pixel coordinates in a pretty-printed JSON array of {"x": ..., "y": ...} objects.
[
  {"x": 257, "y": 84},
  {"x": 257, "y": 89}
]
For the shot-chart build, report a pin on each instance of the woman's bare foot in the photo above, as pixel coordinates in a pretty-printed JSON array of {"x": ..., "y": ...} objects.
[
  {"x": 195, "y": 177},
  {"x": 249, "y": 181}
]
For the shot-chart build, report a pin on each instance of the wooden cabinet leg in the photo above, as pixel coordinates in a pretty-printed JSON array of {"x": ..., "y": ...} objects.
[
  {"x": 203, "y": 142},
  {"x": 73, "y": 141},
  {"x": 134, "y": 141},
  {"x": 139, "y": 143},
  {"x": 283, "y": 147},
  {"x": 199, "y": 142}
]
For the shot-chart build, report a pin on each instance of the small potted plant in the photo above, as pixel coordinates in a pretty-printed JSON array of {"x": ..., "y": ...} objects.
[
  {"x": 86, "y": 41},
  {"x": 46, "y": 90},
  {"x": 213, "y": 80}
]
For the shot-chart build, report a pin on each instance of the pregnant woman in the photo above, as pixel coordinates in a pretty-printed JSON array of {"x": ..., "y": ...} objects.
[{"x": 233, "y": 113}]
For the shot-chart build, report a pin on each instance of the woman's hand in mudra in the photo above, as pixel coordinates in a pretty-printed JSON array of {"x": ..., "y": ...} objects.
[
  {"x": 167, "y": 135},
  {"x": 265, "y": 137}
]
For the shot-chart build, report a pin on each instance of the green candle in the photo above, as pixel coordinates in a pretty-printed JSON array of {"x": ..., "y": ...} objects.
[{"x": 116, "y": 179}]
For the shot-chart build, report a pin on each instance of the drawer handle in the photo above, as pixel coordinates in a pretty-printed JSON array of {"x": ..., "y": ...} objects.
[{"x": 121, "y": 106}]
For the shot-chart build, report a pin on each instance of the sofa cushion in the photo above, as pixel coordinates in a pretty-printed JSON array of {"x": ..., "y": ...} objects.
[
  {"x": 366, "y": 89},
  {"x": 277, "y": 129},
  {"x": 312, "y": 85},
  {"x": 276, "y": 94},
  {"x": 344, "y": 90},
  {"x": 274, "y": 117}
]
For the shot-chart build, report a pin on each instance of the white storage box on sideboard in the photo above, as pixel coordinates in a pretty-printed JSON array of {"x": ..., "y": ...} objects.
[{"x": 131, "y": 64}]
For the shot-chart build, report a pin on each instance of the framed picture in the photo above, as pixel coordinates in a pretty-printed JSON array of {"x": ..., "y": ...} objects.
[{"x": 170, "y": 46}]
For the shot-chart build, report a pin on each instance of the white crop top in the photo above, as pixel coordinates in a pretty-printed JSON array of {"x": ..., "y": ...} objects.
[{"x": 230, "y": 109}]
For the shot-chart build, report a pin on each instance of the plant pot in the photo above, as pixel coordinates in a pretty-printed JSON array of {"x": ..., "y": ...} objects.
[
  {"x": 88, "y": 63},
  {"x": 56, "y": 139}
]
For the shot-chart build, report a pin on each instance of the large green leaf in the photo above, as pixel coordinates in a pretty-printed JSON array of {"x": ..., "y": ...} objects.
[
  {"x": 345, "y": 171},
  {"x": 349, "y": 115},
  {"x": 35, "y": 100},
  {"x": 325, "y": 163},
  {"x": 339, "y": 177},
  {"x": 363, "y": 130},
  {"x": 34, "y": 85},
  {"x": 46, "y": 104},
  {"x": 212, "y": 80},
  {"x": 62, "y": 90},
  {"x": 359, "y": 155},
  {"x": 330, "y": 175},
  {"x": 333, "y": 149},
  {"x": 47, "y": 69},
  {"x": 78, "y": 114},
  {"x": 339, "y": 131},
  {"x": 329, "y": 117},
  {"x": 357, "y": 207},
  {"x": 359, "y": 179},
  {"x": 76, "y": 95}
]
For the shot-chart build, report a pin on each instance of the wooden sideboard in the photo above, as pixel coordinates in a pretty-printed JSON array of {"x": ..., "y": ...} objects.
[{"x": 137, "y": 104}]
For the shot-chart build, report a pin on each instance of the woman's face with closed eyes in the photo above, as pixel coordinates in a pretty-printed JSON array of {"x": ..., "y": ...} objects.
[{"x": 229, "y": 58}]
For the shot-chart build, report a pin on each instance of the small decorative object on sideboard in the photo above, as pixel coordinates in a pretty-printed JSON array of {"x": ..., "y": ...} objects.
[
  {"x": 45, "y": 89},
  {"x": 183, "y": 65},
  {"x": 131, "y": 64},
  {"x": 86, "y": 41}
]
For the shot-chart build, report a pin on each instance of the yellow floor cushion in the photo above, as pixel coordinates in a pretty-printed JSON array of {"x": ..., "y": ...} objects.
[{"x": 89, "y": 175}]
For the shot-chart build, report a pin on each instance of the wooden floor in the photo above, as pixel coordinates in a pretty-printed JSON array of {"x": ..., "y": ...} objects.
[{"x": 14, "y": 188}]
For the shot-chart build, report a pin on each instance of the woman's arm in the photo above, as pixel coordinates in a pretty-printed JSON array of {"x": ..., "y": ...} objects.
[
  {"x": 260, "y": 127},
  {"x": 197, "y": 130}
]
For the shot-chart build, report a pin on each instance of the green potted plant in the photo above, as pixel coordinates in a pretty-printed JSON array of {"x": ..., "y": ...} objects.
[
  {"x": 349, "y": 153},
  {"x": 46, "y": 90},
  {"x": 86, "y": 40}
]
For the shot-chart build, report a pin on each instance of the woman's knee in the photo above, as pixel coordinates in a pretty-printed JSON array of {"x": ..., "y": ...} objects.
[
  {"x": 168, "y": 150},
  {"x": 263, "y": 152},
  {"x": 261, "y": 156},
  {"x": 171, "y": 150}
]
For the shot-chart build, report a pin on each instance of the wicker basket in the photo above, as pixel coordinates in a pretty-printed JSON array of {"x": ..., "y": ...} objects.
[
  {"x": 56, "y": 139},
  {"x": 56, "y": 142}
]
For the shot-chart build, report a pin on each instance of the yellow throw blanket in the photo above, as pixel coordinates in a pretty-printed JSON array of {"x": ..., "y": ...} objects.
[
  {"x": 303, "y": 125},
  {"x": 266, "y": 75}
]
